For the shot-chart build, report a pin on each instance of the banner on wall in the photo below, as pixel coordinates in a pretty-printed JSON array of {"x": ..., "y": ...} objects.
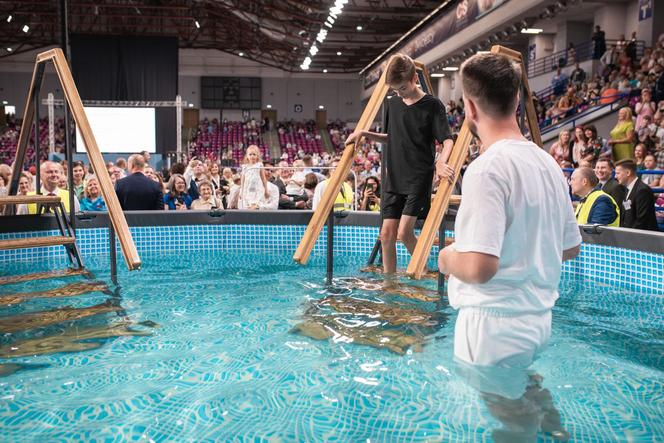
[
  {"x": 645, "y": 9},
  {"x": 438, "y": 30}
]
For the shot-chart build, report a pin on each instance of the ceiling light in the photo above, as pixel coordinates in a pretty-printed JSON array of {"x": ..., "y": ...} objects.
[
  {"x": 241, "y": 54},
  {"x": 294, "y": 48},
  {"x": 191, "y": 105},
  {"x": 9, "y": 49},
  {"x": 338, "y": 52},
  {"x": 532, "y": 31},
  {"x": 359, "y": 28},
  {"x": 321, "y": 107},
  {"x": 313, "y": 50},
  {"x": 269, "y": 106},
  {"x": 9, "y": 19},
  {"x": 198, "y": 25},
  {"x": 437, "y": 75},
  {"x": 324, "y": 71},
  {"x": 330, "y": 19},
  {"x": 451, "y": 68},
  {"x": 26, "y": 28}
]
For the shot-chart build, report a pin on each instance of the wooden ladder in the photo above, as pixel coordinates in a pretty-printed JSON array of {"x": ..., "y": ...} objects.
[{"x": 45, "y": 203}]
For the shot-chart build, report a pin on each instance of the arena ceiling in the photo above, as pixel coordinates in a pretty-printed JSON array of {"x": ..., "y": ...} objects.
[{"x": 277, "y": 33}]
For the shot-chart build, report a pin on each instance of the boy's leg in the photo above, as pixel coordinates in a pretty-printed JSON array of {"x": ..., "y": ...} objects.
[
  {"x": 406, "y": 232},
  {"x": 388, "y": 241}
]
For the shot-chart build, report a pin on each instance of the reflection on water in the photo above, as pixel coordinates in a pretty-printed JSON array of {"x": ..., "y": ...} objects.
[
  {"x": 69, "y": 290},
  {"x": 39, "y": 319},
  {"x": 377, "y": 323},
  {"x": 11, "y": 368}
]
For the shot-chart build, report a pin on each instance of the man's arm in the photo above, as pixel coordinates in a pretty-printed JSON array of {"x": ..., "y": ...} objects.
[{"x": 469, "y": 267}]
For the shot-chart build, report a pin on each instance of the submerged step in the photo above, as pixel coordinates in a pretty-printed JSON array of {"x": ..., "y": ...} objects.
[
  {"x": 32, "y": 320},
  {"x": 59, "y": 273},
  {"x": 69, "y": 290},
  {"x": 35, "y": 242}
]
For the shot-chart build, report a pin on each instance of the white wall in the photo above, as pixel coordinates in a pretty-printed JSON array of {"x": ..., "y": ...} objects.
[{"x": 544, "y": 44}]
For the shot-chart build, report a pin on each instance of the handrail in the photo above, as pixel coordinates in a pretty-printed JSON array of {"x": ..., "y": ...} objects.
[
  {"x": 618, "y": 102},
  {"x": 56, "y": 56},
  {"x": 582, "y": 52}
]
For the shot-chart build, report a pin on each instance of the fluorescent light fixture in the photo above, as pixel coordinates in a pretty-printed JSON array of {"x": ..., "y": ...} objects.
[
  {"x": 451, "y": 68},
  {"x": 330, "y": 19},
  {"x": 532, "y": 31},
  {"x": 9, "y": 49},
  {"x": 359, "y": 28},
  {"x": 321, "y": 107},
  {"x": 438, "y": 74},
  {"x": 324, "y": 71},
  {"x": 191, "y": 105},
  {"x": 5, "y": 102},
  {"x": 328, "y": 25},
  {"x": 9, "y": 19},
  {"x": 26, "y": 28},
  {"x": 313, "y": 50},
  {"x": 338, "y": 52},
  {"x": 198, "y": 25},
  {"x": 269, "y": 106},
  {"x": 241, "y": 54}
]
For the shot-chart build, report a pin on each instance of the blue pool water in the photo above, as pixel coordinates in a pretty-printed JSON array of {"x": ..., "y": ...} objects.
[{"x": 220, "y": 363}]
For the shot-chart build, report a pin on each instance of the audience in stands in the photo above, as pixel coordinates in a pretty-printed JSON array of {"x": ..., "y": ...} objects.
[
  {"x": 92, "y": 199},
  {"x": 51, "y": 176},
  {"x": 207, "y": 200},
  {"x": 177, "y": 198},
  {"x": 622, "y": 136},
  {"x": 595, "y": 205}
]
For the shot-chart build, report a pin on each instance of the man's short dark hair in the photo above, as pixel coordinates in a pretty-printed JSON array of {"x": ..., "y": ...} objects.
[
  {"x": 493, "y": 82},
  {"x": 627, "y": 163},
  {"x": 606, "y": 160},
  {"x": 588, "y": 174}
]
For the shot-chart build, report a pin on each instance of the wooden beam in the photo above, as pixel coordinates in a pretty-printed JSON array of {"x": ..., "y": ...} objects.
[
  {"x": 442, "y": 200},
  {"x": 338, "y": 176}
]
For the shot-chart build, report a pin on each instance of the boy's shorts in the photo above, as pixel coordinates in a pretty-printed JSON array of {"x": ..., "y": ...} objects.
[
  {"x": 487, "y": 338},
  {"x": 393, "y": 206}
]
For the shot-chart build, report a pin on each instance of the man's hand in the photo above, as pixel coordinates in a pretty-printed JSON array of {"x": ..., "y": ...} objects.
[
  {"x": 444, "y": 172},
  {"x": 355, "y": 138}
]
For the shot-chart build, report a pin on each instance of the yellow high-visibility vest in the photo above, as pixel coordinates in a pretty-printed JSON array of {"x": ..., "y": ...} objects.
[{"x": 583, "y": 209}]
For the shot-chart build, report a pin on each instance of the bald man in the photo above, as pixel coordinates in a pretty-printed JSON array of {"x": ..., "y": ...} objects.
[{"x": 596, "y": 206}]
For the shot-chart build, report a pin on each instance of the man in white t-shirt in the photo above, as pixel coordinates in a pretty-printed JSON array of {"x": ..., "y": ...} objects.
[{"x": 514, "y": 228}]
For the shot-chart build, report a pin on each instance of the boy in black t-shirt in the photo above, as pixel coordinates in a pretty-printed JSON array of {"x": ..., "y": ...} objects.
[{"x": 414, "y": 120}]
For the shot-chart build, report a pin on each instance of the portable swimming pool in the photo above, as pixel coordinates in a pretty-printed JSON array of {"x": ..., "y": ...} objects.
[{"x": 198, "y": 346}]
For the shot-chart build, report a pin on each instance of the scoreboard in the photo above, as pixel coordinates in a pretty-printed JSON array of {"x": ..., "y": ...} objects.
[{"x": 231, "y": 92}]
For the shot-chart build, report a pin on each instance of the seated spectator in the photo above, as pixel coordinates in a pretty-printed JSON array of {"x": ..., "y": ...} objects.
[
  {"x": 295, "y": 184},
  {"x": 559, "y": 81},
  {"x": 207, "y": 200},
  {"x": 92, "y": 199},
  {"x": 561, "y": 150},
  {"x": 578, "y": 76},
  {"x": 177, "y": 198},
  {"x": 344, "y": 199},
  {"x": 652, "y": 180},
  {"x": 272, "y": 202},
  {"x": 597, "y": 143},
  {"x": 370, "y": 197},
  {"x": 640, "y": 153},
  {"x": 639, "y": 205},
  {"x": 580, "y": 146},
  {"x": 595, "y": 206},
  {"x": 604, "y": 172},
  {"x": 138, "y": 192},
  {"x": 645, "y": 107}
]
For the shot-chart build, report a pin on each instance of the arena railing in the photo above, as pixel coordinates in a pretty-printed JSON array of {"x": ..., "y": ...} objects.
[
  {"x": 571, "y": 120},
  {"x": 582, "y": 52}
]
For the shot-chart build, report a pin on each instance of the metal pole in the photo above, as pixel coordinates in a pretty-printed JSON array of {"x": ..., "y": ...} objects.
[
  {"x": 64, "y": 30},
  {"x": 70, "y": 179},
  {"x": 178, "y": 124},
  {"x": 111, "y": 247},
  {"x": 522, "y": 116},
  {"x": 374, "y": 252},
  {"x": 51, "y": 123},
  {"x": 330, "y": 247},
  {"x": 36, "y": 143}
]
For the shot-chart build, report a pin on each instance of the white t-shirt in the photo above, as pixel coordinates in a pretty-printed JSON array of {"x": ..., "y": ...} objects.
[{"x": 515, "y": 206}]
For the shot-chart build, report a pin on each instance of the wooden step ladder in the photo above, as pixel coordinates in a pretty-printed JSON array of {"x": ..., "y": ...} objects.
[{"x": 45, "y": 203}]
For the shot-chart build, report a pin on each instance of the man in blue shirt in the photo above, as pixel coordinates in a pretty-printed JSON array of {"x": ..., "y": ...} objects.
[{"x": 596, "y": 206}]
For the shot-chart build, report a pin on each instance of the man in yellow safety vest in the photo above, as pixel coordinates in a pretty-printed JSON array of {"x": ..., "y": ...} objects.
[{"x": 596, "y": 206}]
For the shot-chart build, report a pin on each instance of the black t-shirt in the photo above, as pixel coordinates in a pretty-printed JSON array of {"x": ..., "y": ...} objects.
[{"x": 408, "y": 160}]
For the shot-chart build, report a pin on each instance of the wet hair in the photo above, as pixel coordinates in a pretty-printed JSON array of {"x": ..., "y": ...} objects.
[{"x": 493, "y": 82}]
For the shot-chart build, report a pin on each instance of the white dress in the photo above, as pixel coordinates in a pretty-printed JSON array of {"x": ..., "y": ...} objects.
[{"x": 253, "y": 191}]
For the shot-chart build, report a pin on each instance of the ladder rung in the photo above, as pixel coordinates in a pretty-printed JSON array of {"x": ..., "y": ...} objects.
[
  {"x": 35, "y": 242},
  {"x": 60, "y": 273},
  {"x": 18, "y": 199}
]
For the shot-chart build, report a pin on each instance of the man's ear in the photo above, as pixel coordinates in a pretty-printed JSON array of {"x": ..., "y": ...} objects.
[{"x": 471, "y": 108}]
